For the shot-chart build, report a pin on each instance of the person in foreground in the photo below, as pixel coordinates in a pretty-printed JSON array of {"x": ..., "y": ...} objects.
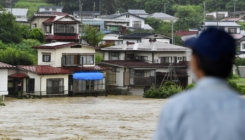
[{"x": 211, "y": 110}]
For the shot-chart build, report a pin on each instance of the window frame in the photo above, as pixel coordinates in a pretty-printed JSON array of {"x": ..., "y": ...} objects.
[{"x": 44, "y": 59}]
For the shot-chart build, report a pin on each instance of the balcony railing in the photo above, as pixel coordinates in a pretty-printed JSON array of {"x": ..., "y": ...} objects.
[
  {"x": 143, "y": 81},
  {"x": 55, "y": 90},
  {"x": 66, "y": 30}
]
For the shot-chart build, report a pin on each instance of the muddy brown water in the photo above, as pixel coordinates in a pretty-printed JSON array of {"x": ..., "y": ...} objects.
[{"x": 79, "y": 118}]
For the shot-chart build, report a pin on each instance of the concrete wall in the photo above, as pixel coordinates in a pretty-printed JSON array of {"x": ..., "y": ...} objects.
[
  {"x": 119, "y": 77},
  {"x": 3, "y": 81},
  {"x": 137, "y": 91}
]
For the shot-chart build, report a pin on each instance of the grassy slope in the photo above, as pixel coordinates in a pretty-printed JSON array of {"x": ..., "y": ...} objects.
[
  {"x": 240, "y": 81},
  {"x": 32, "y": 5}
]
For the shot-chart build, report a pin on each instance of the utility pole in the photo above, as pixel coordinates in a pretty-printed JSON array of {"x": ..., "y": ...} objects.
[
  {"x": 204, "y": 14},
  {"x": 235, "y": 5},
  {"x": 94, "y": 11},
  {"x": 81, "y": 15},
  {"x": 165, "y": 8},
  {"x": 172, "y": 31}
]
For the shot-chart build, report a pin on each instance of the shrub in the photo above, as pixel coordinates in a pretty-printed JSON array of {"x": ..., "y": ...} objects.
[
  {"x": 235, "y": 76},
  {"x": 189, "y": 86},
  {"x": 165, "y": 91}
]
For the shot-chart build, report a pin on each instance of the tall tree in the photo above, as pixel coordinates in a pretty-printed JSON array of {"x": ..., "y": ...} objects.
[
  {"x": 10, "y": 30},
  {"x": 189, "y": 16},
  {"x": 92, "y": 35}
]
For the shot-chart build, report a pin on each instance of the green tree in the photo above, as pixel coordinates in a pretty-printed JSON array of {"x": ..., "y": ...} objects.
[
  {"x": 37, "y": 34},
  {"x": 92, "y": 35},
  {"x": 10, "y": 30},
  {"x": 17, "y": 57},
  {"x": 189, "y": 16},
  {"x": 26, "y": 45}
]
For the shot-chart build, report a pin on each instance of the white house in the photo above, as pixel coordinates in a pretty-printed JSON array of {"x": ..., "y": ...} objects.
[
  {"x": 57, "y": 26},
  {"x": 42, "y": 9},
  {"x": 135, "y": 22},
  {"x": 163, "y": 16},
  {"x": 137, "y": 66},
  {"x": 19, "y": 13},
  {"x": 218, "y": 14},
  {"x": 64, "y": 68},
  {"x": 231, "y": 27},
  {"x": 4, "y": 72}
]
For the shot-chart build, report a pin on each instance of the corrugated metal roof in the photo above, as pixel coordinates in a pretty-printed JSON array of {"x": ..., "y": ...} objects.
[
  {"x": 137, "y": 11},
  {"x": 213, "y": 23},
  {"x": 5, "y": 66},
  {"x": 55, "y": 45},
  {"x": 17, "y": 11},
  {"x": 139, "y": 64},
  {"x": 61, "y": 38},
  {"x": 148, "y": 27},
  {"x": 95, "y": 68},
  {"x": 44, "y": 70},
  {"x": 18, "y": 75},
  {"x": 162, "y": 16}
]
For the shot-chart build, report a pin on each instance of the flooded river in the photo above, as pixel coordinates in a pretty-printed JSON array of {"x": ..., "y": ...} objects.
[{"x": 79, "y": 118}]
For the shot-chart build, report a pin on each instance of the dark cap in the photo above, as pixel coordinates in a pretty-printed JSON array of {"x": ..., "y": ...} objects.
[{"x": 213, "y": 43}]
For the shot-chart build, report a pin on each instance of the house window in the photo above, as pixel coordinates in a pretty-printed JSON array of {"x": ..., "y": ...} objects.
[
  {"x": 34, "y": 25},
  {"x": 221, "y": 16},
  {"x": 48, "y": 29},
  {"x": 139, "y": 73},
  {"x": 232, "y": 30},
  {"x": 165, "y": 59},
  {"x": 130, "y": 57},
  {"x": 113, "y": 28},
  {"x": 70, "y": 59},
  {"x": 137, "y": 24},
  {"x": 114, "y": 55},
  {"x": 127, "y": 16},
  {"x": 184, "y": 58},
  {"x": 87, "y": 59},
  {"x": 142, "y": 58},
  {"x": 46, "y": 57},
  {"x": 53, "y": 9},
  {"x": 46, "y": 9},
  {"x": 63, "y": 28},
  {"x": 55, "y": 86}
]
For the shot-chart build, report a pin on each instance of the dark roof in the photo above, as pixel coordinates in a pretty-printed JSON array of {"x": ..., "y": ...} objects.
[
  {"x": 5, "y": 66},
  {"x": 237, "y": 12},
  {"x": 184, "y": 33},
  {"x": 44, "y": 70},
  {"x": 121, "y": 14},
  {"x": 56, "y": 45},
  {"x": 136, "y": 35},
  {"x": 18, "y": 75},
  {"x": 138, "y": 64},
  {"x": 47, "y": 14},
  {"x": 87, "y": 13}
]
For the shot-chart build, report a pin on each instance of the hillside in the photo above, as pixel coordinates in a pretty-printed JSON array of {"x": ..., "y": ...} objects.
[{"x": 32, "y": 5}]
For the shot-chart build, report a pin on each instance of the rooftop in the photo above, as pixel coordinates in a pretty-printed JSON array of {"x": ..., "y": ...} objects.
[
  {"x": 56, "y": 45},
  {"x": 138, "y": 64},
  {"x": 136, "y": 35},
  {"x": 185, "y": 33},
  {"x": 5, "y": 66},
  {"x": 162, "y": 16},
  {"x": 17, "y": 11},
  {"x": 44, "y": 70},
  {"x": 222, "y": 23},
  {"x": 137, "y": 11},
  {"x": 113, "y": 16},
  {"x": 147, "y": 46}
]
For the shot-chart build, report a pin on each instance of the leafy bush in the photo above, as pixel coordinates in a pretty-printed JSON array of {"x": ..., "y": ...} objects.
[
  {"x": 239, "y": 88},
  {"x": 189, "y": 86},
  {"x": 1, "y": 102},
  {"x": 235, "y": 76},
  {"x": 165, "y": 91}
]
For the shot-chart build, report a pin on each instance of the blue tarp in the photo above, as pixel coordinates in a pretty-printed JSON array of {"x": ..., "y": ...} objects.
[{"x": 88, "y": 76}]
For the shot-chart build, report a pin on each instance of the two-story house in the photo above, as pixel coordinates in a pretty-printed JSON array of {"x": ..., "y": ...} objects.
[
  {"x": 45, "y": 9},
  {"x": 217, "y": 15},
  {"x": 19, "y": 13},
  {"x": 135, "y": 22},
  {"x": 231, "y": 27},
  {"x": 56, "y": 26},
  {"x": 64, "y": 68},
  {"x": 137, "y": 66}
]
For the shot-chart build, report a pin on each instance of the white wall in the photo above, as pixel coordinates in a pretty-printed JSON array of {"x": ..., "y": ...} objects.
[
  {"x": 119, "y": 77},
  {"x": 131, "y": 19},
  {"x": 56, "y": 55},
  {"x": 4, "y": 82},
  {"x": 41, "y": 81}
]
